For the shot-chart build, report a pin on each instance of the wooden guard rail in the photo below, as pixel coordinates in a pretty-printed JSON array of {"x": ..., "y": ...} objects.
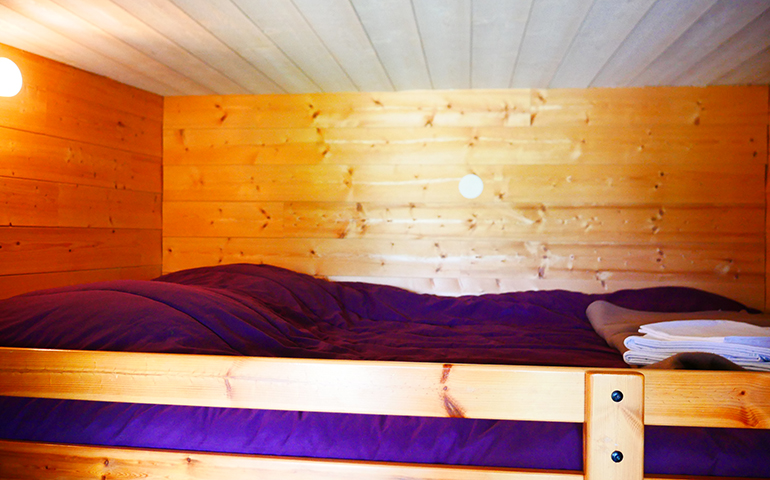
[{"x": 562, "y": 394}]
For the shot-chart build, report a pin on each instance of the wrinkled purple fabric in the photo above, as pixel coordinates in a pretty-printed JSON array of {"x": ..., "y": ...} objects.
[{"x": 268, "y": 311}]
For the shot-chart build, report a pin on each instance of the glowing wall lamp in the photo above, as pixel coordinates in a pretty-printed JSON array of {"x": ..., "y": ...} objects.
[
  {"x": 471, "y": 186},
  {"x": 10, "y": 78}
]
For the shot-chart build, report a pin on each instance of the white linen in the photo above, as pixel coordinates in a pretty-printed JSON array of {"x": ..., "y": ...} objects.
[
  {"x": 707, "y": 331},
  {"x": 743, "y": 344}
]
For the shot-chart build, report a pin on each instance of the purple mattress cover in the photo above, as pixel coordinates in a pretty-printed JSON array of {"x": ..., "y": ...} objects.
[{"x": 261, "y": 310}]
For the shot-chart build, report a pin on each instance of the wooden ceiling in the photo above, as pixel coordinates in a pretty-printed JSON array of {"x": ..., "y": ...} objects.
[{"x": 198, "y": 47}]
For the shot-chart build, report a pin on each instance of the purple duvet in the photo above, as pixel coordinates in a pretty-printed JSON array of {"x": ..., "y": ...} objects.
[{"x": 268, "y": 311}]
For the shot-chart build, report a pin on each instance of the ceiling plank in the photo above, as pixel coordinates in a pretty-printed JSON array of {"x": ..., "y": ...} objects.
[
  {"x": 340, "y": 29},
  {"x": 552, "y": 26},
  {"x": 205, "y": 47},
  {"x": 718, "y": 24},
  {"x": 288, "y": 29},
  {"x": 124, "y": 26},
  {"x": 739, "y": 48},
  {"x": 233, "y": 28},
  {"x": 754, "y": 71},
  {"x": 663, "y": 24},
  {"x": 604, "y": 29},
  {"x": 445, "y": 29},
  {"x": 498, "y": 29},
  {"x": 64, "y": 22},
  {"x": 22, "y": 32},
  {"x": 392, "y": 29},
  {"x": 167, "y": 18}
]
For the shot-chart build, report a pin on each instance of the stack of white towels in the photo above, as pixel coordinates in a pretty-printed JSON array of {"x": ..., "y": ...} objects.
[{"x": 744, "y": 344}]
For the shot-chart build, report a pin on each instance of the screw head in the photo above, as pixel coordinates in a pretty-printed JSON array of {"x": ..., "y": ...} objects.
[
  {"x": 617, "y": 456},
  {"x": 617, "y": 396}
]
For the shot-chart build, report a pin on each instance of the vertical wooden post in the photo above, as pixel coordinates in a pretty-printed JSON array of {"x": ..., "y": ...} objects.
[
  {"x": 614, "y": 426},
  {"x": 767, "y": 207}
]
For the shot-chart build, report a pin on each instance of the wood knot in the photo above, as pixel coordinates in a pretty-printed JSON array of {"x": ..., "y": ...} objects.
[
  {"x": 445, "y": 373},
  {"x": 453, "y": 409}
]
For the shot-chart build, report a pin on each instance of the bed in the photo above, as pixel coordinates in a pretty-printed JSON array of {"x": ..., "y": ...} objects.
[{"x": 239, "y": 371}]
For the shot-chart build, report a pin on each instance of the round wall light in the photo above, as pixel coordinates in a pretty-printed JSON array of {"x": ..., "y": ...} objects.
[
  {"x": 10, "y": 78},
  {"x": 471, "y": 186}
]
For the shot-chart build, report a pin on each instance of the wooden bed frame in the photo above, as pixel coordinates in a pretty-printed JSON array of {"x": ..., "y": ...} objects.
[{"x": 613, "y": 404}]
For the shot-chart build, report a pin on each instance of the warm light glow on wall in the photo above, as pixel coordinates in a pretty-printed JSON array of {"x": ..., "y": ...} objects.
[{"x": 10, "y": 78}]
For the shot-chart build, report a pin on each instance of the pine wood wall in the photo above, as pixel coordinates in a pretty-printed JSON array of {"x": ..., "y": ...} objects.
[
  {"x": 80, "y": 179},
  {"x": 590, "y": 190}
]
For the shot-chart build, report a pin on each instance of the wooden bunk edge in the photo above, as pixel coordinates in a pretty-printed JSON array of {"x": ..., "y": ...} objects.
[
  {"x": 29, "y": 460},
  {"x": 40, "y": 461},
  {"x": 671, "y": 397}
]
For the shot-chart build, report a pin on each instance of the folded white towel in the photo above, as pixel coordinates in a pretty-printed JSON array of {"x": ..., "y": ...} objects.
[
  {"x": 725, "y": 331},
  {"x": 647, "y": 358},
  {"x": 743, "y": 344}
]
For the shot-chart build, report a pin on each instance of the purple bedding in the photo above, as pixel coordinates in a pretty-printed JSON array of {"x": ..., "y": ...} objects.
[{"x": 268, "y": 311}]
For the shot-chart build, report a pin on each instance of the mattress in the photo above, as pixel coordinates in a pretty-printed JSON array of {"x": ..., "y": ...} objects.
[{"x": 260, "y": 310}]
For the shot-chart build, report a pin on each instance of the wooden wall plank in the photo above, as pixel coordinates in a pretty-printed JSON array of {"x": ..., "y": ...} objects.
[
  {"x": 650, "y": 106},
  {"x": 80, "y": 180},
  {"x": 83, "y": 86},
  {"x": 26, "y": 250},
  {"x": 236, "y": 219},
  {"x": 454, "y": 257},
  {"x": 12, "y": 285},
  {"x": 603, "y": 145},
  {"x": 565, "y": 107},
  {"x": 563, "y": 185},
  {"x": 42, "y": 157},
  {"x": 51, "y": 204},
  {"x": 346, "y": 110},
  {"x": 593, "y": 189},
  {"x": 501, "y": 220},
  {"x": 67, "y": 108}
]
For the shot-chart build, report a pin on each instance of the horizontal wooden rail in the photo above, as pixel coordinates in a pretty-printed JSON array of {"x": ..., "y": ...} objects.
[
  {"x": 707, "y": 398},
  {"x": 396, "y": 388},
  {"x": 40, "y": 461},
  {"x": 23, "y": 460},
  {"x": 681, "y": 398}
]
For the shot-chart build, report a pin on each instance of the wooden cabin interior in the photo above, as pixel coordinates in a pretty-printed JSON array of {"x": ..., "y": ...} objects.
[
  {"x": 615, "y": 144},
  {"x": 630, "y": 151}
]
